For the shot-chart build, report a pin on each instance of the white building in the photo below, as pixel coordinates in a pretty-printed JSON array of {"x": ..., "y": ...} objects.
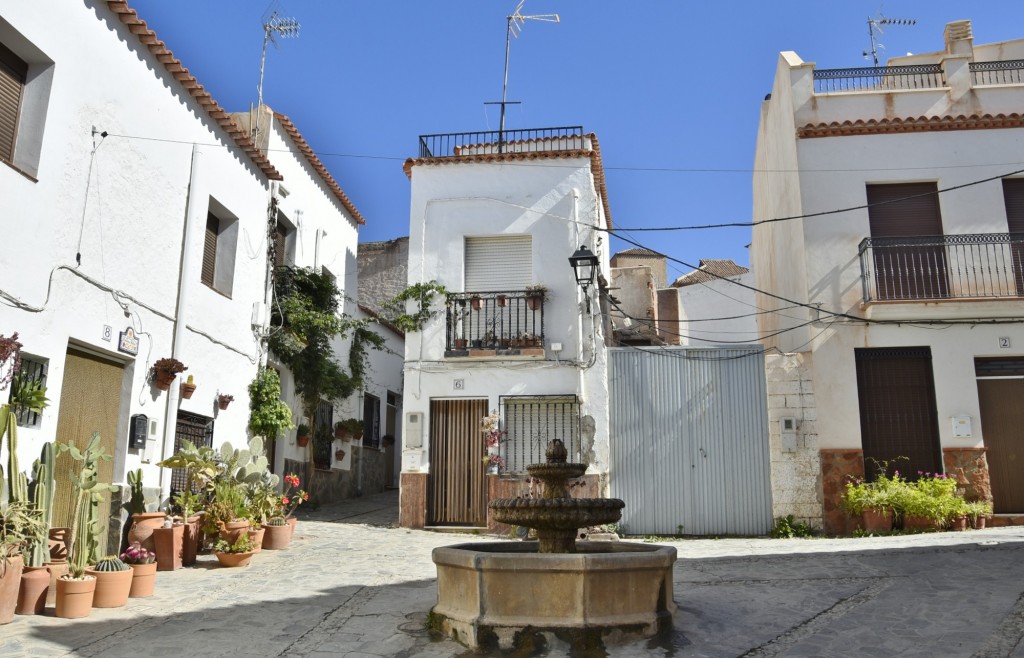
[
  {"x": 491, "y": 216},
  {"x": 915, "y": 266},
  {"x": 131, "y": 202},
  {"x": 713, "y": 310}
]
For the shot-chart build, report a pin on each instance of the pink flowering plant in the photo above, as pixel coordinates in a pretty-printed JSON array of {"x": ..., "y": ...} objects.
[
  {"x": 292, "y": 497},
  {"x": 493, "y": 438},
  {"x": 495, "y": 460},
  {"x": 136, "y": 554}
]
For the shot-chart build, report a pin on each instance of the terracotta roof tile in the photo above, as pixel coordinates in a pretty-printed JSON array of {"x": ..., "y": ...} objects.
[
  {"x": 711, "y": 269},
  {"x": 148, "y": 38},
  {"x": 593, "y": 153},
  {"x": 911, "y": 124},
  {"x": 319, "y": 167},
  {"x": 637, "y": 251}
]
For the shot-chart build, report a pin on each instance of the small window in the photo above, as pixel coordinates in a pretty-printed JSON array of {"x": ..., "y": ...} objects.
[
  {"x": 33, "y": 370},
  {"x": 371, "y": 421},
  {"x": 284, "y": 241},
  {"x": 26, "y": 76},
  {"x": 502, "y": 262},
  {"x": 12, "y": 85},
  {"x": 219, "y": 245},
  {"x": 531, "y": 421}
]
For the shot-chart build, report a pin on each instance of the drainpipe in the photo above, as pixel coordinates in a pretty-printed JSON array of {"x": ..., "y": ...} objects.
[{"x": 193, "y": 219}]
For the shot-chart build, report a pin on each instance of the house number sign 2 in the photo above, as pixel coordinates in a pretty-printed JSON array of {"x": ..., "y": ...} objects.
[{"x": 1004, "y": 342}]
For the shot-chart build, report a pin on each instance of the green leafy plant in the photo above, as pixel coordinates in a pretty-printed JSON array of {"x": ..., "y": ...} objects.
[
  {"x": 88, "y": 494},
  {"x": 241, "y": 545},
  {"x": 269, "y": 416},
  {"x": 786, "y": 527},
  {"x": 28, "y": 394},
  {"x": 201, "y": 466},
  {"x": 976, "y": 509},
  {"x": 20, "y": 524},
  {"x": 422, "y": 295}
]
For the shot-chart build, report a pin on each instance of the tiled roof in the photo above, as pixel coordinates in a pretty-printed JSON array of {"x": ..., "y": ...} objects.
[
  {"x": 148, "y": 38},
  {"x": 594, "y": 154},
  {"x": 319, "y": 167},
  {"x": 638, "y": 251},
  {"x": 911, "y": 124},
  {"x": 709, "y": 270}
]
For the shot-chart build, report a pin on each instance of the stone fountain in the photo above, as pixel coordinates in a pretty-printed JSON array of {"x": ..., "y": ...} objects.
[{"x": 513, "y": 594}]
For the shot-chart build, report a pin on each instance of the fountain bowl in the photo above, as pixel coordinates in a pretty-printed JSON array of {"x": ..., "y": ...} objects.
[{"x": 502, "y": 594}]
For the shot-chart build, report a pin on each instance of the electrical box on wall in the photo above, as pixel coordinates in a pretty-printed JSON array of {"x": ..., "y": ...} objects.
[
  {"x": 413, "y": 438},
  {"x": 138, "y": 431},
  {"x": 962, "y": 427},
  {"x": 787, "y": 428}
]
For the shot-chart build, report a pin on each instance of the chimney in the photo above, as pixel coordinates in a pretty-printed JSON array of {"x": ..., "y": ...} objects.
[{"x": 959, "y": 38}]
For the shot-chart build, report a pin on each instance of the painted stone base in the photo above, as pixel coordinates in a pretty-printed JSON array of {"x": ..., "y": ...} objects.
[
  {"x": 499, "y": 595},
  {"x": 970, "y": 467},
  {"x": 412, "y": 497},
  {"x": 837, "y": 466}
]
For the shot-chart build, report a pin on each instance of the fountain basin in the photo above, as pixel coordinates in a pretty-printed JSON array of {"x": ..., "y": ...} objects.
[{"x": 494, "y": 594}]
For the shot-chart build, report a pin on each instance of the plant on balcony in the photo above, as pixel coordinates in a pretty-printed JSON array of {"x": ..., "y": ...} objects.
[{"x": 535, "y": 295}]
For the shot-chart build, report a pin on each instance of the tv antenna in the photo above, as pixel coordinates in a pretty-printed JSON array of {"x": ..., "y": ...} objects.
[
  {"x": 875, "y": 27},
  {"x": 285, "y": 28},
  {"x": 516, "y": 22}
]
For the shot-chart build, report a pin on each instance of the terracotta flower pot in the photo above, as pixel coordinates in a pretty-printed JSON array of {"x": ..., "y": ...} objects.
[
  {"x": 958, "y": 524},
  {"x": 978, "y": 523},
  {"x": 534, "y": 302},
  {"x": 10, "y": 583},
  {"x": 143, "y": 526},
  {"x": 162, "y": 379},
  {"x": 234, "y": 559},
  {"x": 877, "y": 520},
  {"x": 57, "y": 569},
  {"x": 339, "y": 455},
  {"x": 232, "y": 530},
  {"x": 256, "y": 537},
  {"x": 143, "y": 580},
  {"x": 190, "y": 540},
  {"x": 913, "y": 522},
  {"x": 277, "y": 537},
  {"x": 302, "y": 441},
  {"x": 59, "y": 543},
  {"x": 74, "y": 597},
  {"x": 168, "y": 542},
  {"x": 187, "y": 390},
  {"x": 223, "y": 402},
  {"x": 112, "y": 588},
  {"x": 35, "y": 583},
  {"x": 292, "y": 523}
]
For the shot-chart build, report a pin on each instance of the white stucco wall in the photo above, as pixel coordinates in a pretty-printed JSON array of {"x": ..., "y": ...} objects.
[
  {"x": 452, "y": 201},
  {"x": 127, "y": 221},
  {"x": 699, "y": 303}
]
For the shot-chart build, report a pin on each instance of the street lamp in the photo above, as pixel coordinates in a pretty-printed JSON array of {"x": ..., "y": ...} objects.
[{"x": 584, "y": 265}]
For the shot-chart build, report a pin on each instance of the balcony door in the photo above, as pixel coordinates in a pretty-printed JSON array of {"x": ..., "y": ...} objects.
[
  {"x": 496, "y": 264},
  {"x": 1013, "y": 196},
  {"x": 900, "y": 213}
]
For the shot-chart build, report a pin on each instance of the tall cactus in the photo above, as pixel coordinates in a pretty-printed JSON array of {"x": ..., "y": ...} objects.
[
  {"x": 85, "y": 529},
  {"x": 17, "y": 483},
  {"x": 42, "y": 497}
]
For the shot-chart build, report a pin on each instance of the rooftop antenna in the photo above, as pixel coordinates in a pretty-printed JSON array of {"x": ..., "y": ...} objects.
[
  {"x": 285, "y": 28},
  {"x": 875, "y": 26},
  {"x": 516, "y": 22}
]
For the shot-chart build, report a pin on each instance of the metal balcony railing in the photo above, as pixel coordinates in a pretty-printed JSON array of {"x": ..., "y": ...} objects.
[
  {"x": 494, "y": 320},
  {"x": 878, "y": 78},
  {"x": 564, "y": 138},
  {"x": 943, "y": 267},
  {"x": 1009, "y": 72}
]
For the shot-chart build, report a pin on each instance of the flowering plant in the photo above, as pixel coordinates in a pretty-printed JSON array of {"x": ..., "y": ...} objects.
[
  {"x": 136, "y": 554},
  {"x": 494, "y": 460},
  {"x": 290, "y": 500}
]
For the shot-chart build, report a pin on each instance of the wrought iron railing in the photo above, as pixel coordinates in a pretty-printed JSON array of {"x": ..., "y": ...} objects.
[
  {"x": 1009, "y": 72},
  {"x": 530, "y": 422},
  {"x": 494, "y": 320},
  {"x": 943, "y": 267},
  {"x": 564, "y": 138},
  {"x": 878, "y": 78}
]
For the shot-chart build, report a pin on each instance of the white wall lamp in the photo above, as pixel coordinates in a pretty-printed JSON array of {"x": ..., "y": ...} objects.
[{"x": 584, "y": 264}]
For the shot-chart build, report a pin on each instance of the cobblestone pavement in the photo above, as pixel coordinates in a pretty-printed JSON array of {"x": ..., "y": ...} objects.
[{"x": 353, "y": 584}]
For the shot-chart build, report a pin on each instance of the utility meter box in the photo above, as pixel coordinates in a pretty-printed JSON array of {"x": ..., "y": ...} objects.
[
  {"x": 413, "y": 437},
  {"x": 138, "y": 431},
  {"x": 787, "y": 429}
]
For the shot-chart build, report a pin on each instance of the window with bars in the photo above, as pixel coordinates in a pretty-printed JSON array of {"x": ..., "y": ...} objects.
[
  {"x": 196, "y": 429},
  {"x": 323, "y": 435},
  {"x": 532, "y": 421},
  {"x": 33, "y": 369}
]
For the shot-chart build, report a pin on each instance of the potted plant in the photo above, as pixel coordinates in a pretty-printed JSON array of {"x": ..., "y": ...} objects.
[
  {"x": 165, "y": 370},
  {"x": 302, "y": 435},
  {"x": 339, "y": 455},
  {"x": 143, "y": 565},
  {"x": 201, "y": 467},
  {"x": 341, "y": 431},
  {"x": 872, "y": 501},
  {"x": 477, "y": 302},
  {"x": 19, "y": 523},
  {"x": 113, "y": 582},
  {"x": 269, "y": 416},
  {"x": 223, "y": 400},
  {"x": 188, "y": 387},
  {"x": 277, "y": 535},
  {"x": 291, "y": 499},
  {"x": 501, "y": 300},
  {"x": 494, "y": 464},
  {"x": 535, "y": 295},
  {"x": 76, "y": 589},
  {"x": 461, "y": 343},
  {"x": 234, "y": 554},
  {"x": 977, "y": 512},
  {"x": 355, "y": 428}
]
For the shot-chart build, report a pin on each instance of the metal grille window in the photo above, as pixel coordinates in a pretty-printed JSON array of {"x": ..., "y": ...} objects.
[
  {"x": 33, "y": 369},
  {"x": 190, "y": 427},
  {"x": 530, "y": 422}
]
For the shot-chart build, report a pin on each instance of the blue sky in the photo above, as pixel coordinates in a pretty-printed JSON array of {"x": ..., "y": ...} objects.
[{"x": 672, "y": 88}]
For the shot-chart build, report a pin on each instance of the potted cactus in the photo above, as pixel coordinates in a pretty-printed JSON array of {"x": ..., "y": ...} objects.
[
  {"x": 278, "y": 534},
  {"x": 113, "y": 582},
  {"x": 188, "y": 387},
  {"x": 143, "y": 565}
]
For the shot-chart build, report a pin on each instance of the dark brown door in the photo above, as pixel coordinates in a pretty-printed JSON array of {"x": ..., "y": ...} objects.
[
  {"x": 1002, "y": 426},
  {"x": 901, "y": 216},
  {"x": 897, "y": 409},
  {"x": 1013, "y": 196},
  {"x": 456, "y": 488}
]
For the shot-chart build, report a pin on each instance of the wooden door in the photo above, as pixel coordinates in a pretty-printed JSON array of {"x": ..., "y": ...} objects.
[
  {"x": 90, "y": 401},
  {"x": 456, "y": 488},
  {"x": 1002, "y": 426}
]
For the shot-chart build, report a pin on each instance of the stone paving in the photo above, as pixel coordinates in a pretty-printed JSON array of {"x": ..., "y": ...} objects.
[{"x": 353, "y": 584}]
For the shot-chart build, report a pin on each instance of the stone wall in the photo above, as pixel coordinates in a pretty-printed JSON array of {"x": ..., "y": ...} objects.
[
  {"x": 383, "y": 270},
  {"x": 837, "y": 467},
  {"x": 795, "y": 466},
  {"x": 970, "y": 467},
  {"x": 330, "y": 485}
]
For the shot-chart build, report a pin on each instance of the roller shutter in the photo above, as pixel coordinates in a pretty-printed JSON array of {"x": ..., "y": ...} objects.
[{"x": 499, "y": 263}]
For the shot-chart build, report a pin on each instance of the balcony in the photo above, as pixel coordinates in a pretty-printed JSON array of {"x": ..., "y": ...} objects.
[
  {"x": 494, "y": 323},
  {"x": 527, "y": 140},
  {"x": 1010, "y": 72},
  {"x": 942, "y": 267},
  {"x": 879, "y": 78}
]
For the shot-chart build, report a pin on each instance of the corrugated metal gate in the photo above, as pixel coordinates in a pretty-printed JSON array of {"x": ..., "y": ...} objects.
[{"x": 689, "y": 440}]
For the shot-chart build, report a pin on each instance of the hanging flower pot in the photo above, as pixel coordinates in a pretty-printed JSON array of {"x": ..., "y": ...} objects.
[
  {"x": 339, "y": 455},
  {"x": 476, "y": 302},
  {"x": 164, "y": 372},
  {"x": 302, "y": 435},
  {"x": 188, "y": 388},
  {"x": 502, "y": 300},
  {"x": 224, "y": 400}
]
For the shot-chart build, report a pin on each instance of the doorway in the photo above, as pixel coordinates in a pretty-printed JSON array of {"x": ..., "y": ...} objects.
[
  {"x": 456, "y": 487},
  {"x": 1000, "y": 391}
]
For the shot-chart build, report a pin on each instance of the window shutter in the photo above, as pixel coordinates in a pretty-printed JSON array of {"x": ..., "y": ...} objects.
[
  {"x": 1013, "y": 196},
  {"x": 12, "y": 82},
  {"x": 499, "y": 263},
  {"x": 210, "y": 249},
  {"x": 904, "y": 271},
  {"x": 280, "y": 236},
  {"x": 906, "y": 217}
]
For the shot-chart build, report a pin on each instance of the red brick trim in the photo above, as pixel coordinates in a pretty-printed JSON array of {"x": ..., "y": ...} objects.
[{"x": 911, "y": 124}]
